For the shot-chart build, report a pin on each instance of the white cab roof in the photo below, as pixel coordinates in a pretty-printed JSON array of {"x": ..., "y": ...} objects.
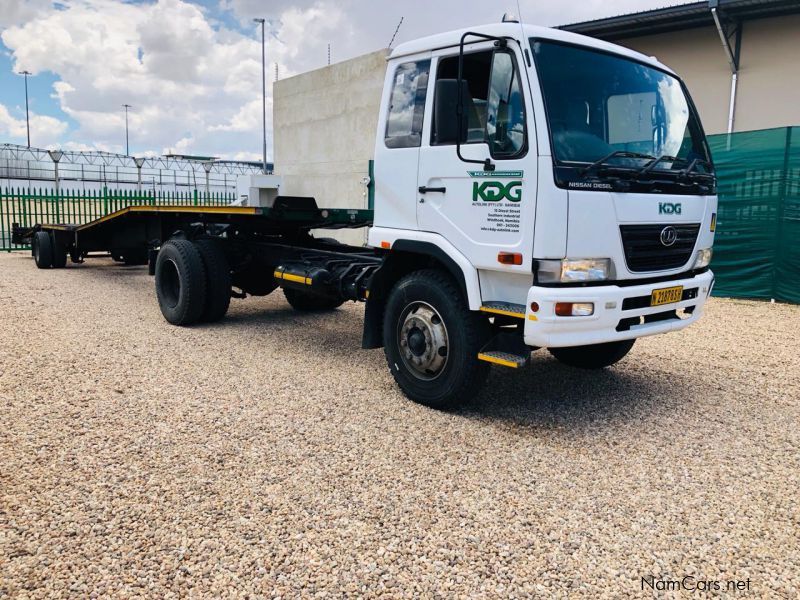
[{"x": 453, "y": 38}]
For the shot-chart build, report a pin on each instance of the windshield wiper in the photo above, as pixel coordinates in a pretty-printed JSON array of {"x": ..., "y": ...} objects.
[
  {"x": 616, "y": 154},
  {"x": 684, "y": 173}
]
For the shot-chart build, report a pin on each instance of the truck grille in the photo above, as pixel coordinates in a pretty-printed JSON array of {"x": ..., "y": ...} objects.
[{"x": 645, "y": 252}]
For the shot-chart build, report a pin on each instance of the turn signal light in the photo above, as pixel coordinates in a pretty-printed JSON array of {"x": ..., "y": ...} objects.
[
  {"x": 574, "y": 309},
  {"x": 509, "y": 258},
  {"x": 386, "y": 245},
  {"x": 713, "y": 222}
]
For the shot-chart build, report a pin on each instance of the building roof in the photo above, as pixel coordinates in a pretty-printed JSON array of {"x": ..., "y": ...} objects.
[{"x": 682, "y": 16}]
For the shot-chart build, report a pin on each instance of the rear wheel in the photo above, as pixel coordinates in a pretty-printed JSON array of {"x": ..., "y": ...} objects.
[
  {"x": 180, "y": 282},
  {"x": 59, "y": 253},
  {"x": 218, "y": 280},
  {"x": 42, "y": 247},
  {"x": 432, "y": 340},
  {"x": 310, "y": 301},
  {"x": 594, "y": 356}
]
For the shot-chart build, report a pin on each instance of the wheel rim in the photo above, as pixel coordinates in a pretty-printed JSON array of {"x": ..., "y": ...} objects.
[
  {"x": 170, "y": 283},
  {"x": 422, "y": 340}
]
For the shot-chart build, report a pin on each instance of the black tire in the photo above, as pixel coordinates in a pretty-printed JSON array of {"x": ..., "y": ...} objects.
[
  {"x": 218, "y": 280},
  {"x": 180, "y": 282},
  {"x": 42, "y": 248},
  {"x": 410, "y": 303},
  {"x": 311, "y": 301},
  {"x": 59, "y": 253},
  {"x": 594, "y": 356}
]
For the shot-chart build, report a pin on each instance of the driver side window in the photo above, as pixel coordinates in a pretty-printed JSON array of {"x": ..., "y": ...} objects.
[{"x": 494, "y": 110}]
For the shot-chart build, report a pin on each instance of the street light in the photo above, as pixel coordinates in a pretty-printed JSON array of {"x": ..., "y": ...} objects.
[
  {"x": 127, "y": 149},
  {"x": 263, "y": 88},
  {"x": 27, "y": 114}
]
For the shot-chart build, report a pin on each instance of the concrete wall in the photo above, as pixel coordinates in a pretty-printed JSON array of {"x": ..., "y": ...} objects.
[
  {"x": 325, "y": 123},
  {"x": 769, "y": 71}
]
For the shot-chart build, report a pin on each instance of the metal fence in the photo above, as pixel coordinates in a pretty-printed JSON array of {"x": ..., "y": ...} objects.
[
  {"x": 21, "y": 166},
  {"x": 27, "y": 207}
]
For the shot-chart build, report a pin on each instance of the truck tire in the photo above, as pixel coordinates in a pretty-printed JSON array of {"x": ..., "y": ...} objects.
[
  {"x": 594, "y": 356},
  {"x": 180, "y": 282},
  {"x": 42, "y": 247},
  {"x": 59, "y": 253},
  {"x": 310, "y": 301},
  {"x": 432, "y": 340},
  {"x": 218, "y": 280}
]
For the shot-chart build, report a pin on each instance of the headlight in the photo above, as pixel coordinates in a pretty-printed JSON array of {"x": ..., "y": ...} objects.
[
  {"x": 703, "y": 258},
  {"x": 575, "y": 269}
]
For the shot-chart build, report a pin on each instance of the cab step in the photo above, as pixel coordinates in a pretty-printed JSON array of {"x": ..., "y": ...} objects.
[
  {"x": 507, "y": 309},
  {"x": 507, "y": 350}
]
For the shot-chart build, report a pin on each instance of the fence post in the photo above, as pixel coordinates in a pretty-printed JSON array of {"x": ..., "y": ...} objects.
[
  {"x": 194, "y": 193},
  {"x": 781, "y": 207},
  {"x": 105, "y": 200}
]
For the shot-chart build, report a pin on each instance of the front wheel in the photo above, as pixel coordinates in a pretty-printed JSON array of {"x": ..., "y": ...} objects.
[
  {"x": 432, "y": 339},
  {"x": 593, "y": 356}
]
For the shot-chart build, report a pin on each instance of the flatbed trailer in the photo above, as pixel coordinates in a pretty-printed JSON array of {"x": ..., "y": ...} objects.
[{"x": 243, "y": 251}]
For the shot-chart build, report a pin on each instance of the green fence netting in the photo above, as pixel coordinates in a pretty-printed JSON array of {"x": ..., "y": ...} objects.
[{"x": 756, "y": 250}]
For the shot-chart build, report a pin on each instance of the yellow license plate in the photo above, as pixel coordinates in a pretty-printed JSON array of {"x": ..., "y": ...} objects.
[{"x": 666, "y": 295}]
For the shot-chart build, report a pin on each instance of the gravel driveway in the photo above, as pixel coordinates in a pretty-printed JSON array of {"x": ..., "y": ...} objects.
[{"x": 268, "y": 455}]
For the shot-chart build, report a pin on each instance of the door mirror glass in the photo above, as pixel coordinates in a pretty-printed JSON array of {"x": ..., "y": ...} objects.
[
  {"x": 505, "y": 114},
  {"x": 445, "y": 116}
]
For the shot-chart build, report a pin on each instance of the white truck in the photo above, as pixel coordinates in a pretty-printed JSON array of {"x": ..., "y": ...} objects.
[{"x": 533, "y": 189}]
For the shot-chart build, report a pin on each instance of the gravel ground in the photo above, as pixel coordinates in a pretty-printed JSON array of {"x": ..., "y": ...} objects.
[{"x": 269, "y": 456}]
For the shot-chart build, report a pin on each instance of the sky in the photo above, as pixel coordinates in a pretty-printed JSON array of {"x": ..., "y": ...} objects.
[{"x": 191, "y": 69}]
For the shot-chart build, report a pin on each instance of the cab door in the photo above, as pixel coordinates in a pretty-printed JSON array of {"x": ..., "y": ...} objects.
[{"x": 482, "y": 207}]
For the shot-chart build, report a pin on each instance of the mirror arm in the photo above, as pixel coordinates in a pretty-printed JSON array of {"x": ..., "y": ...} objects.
[{"x": 500, "y": 42}]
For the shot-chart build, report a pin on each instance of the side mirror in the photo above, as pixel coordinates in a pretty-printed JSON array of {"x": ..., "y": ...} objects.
[{"x": 445, "y": 109}]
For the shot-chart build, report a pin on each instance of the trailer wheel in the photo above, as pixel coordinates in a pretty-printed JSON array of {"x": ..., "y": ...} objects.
[
  {"x": 218, "y": 280},
  {"x": 310, "y": 301},
  {"x": 42, "y": 247},
  {"x": 432, "y": 340},
  {"x": 594, "y": 356},
  {"x": 180, "y": 282},
  {"x": 59, "y": 253}
]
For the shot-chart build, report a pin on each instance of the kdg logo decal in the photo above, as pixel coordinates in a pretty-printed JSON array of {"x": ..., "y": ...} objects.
[
  {"x": 668, "y": 208},
  {"x": 495, "y": 191}
]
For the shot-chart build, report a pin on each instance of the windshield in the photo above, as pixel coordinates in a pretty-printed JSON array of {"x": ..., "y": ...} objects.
[{"x": 616, "y": 111}]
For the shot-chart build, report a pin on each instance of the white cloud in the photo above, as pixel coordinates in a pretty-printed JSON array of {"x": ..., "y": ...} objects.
[
  {"x": 45, "y": 131},
  {"x": 194, "y": 88},
  {"x": 20, "y": 11}
]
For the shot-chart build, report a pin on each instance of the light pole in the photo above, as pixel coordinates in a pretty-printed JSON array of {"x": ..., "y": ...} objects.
[
  {"x": 263, "y": 89},
  {"x": 27, "y": 114},
  {"x": 127, "y": 149}
]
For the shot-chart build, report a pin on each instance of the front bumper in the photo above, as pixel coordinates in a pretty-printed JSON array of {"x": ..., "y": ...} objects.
[{"x": 613, "y": 319}]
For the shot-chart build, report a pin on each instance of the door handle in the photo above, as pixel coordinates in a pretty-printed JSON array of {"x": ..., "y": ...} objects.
[{"x": 424, "y": 189}]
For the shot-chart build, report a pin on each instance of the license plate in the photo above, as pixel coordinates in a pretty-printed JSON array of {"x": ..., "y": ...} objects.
[{"x": 666, "y": 295}]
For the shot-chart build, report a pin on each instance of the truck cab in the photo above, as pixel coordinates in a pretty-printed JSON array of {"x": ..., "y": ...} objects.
[{"x": 562, "y": 182}]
